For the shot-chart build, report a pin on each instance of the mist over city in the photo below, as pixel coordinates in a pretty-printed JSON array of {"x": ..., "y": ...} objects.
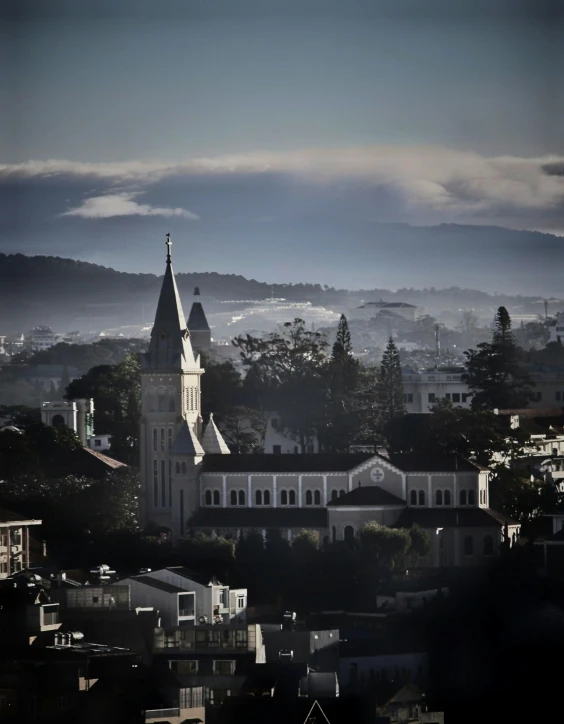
[{"x": 281, "y": 361}]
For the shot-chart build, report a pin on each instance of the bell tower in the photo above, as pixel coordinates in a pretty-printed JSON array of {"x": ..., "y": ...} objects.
[{"x": 171, "y": 423}]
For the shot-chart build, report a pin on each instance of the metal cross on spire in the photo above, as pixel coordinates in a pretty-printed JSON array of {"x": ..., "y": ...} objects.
[{"x": 168, "y": 245}]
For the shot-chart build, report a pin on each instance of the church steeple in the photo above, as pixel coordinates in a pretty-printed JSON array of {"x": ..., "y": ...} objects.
[
  {"x": 170, "y": 347},
  {"x": 198, "y": 324}
]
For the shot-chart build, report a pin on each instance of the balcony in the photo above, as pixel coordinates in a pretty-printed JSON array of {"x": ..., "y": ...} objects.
[{"x": 160, "y": 714}]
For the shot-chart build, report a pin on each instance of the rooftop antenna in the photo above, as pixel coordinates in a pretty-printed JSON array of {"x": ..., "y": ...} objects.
[
  {"x": 437, "y": 345},
  {"x": 546, "y": 309}
]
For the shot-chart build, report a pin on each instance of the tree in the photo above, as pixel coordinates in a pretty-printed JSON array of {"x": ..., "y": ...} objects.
[
  {"x": 387, "y": 545},
  {"x": 390, "y": 388},
  {"x": 116, "y": 390},
  {"x": 285, "y": 372},
  {"x": 469, "y": 322},
  {"x": 419, "y": 544},
  {"x": 342, "y": 348},
  {"x": 222, "y": 386},
  {"x": 243, "y": 429},
  {"x": 208, "y": 554},
  {"x": 494, "y": 370}
]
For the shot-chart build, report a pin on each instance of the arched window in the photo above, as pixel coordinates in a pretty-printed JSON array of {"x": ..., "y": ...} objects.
[
  {"x": 267, "y": 497},
  {"x": 488, "y": 546},
  {"x": 283, "y": 498},
  {"x": 292, "y": 497},
  {"x": 439, "y": 497},
  {"x": 258, "y": 497},
  {"x": 471, "y": 497},
  {"x": 469, "y": 546},
  {"x": 155, "y": 434},
  {"x": 462, "y": 497},
  {"x": 162, "y": 401},
  {"x": 413, "y": 497},
  {"x": 171, "y": 399},
  {"x": 349, "y": 534},
  {"x": 309, "y": 498},
  {"x": 183, "y": 468},
  {"x": 208, "y": 497},
  {"x": 216, "y": 497},
  {"x": 177, "y": 468},
  {"x": 317, "y": 498},
  {"x": 447, "y": 497},
  {"x": 341, "y": 493},
  {"x": 233, "y": 497},
  {"x": 241, "y": 497},
  {"x": 481, "y": 497},
  {"x": 334, "y": 495},
  {"x": 421, "y": 497}
]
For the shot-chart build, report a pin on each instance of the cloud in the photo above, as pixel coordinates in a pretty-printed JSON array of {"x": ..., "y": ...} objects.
[
  {"x": 429, "y": 184},
  {"x": 122, "y": 204}
]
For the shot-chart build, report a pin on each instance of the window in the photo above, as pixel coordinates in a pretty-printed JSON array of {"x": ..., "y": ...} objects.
[
  {"x": 267, "y": 497},
  {"x": 448, "y": 395},
  {"x": 97, "y": 443},
  {"x": 413, "y": 497},
  {"x": 462, "y": 497},
  {"x": 216, "y": 497},
  {"x": 208, "y": 497},
  {"x": 155, "y": 439},
  {"x": 225, "y": 668},
  {"x": 447, "y": 497},
  {"x": 192, "y": 697},
  {"x": 292, "y": 497},
  {"x": 432, "y": 397},
  {"x": 258, "y": 497},
  {"x": 439, "y": 497},
  {"x": 274, "y": 423},
  {"x": 421, "y": 497},
  {"x": 233, "y": 497},
  {"x": 317, "y": 498},
  {"x": 162, "y": 402},
  {"x": 183, "y": 467},
  {"x": 471, "y": 498},
  {"x": 170, "y": 438},
  {"x": 162, "y": 438},
  {"x": 170, "y": 483},
  {"x": 456, "y": 396},
  {"x": 240, "y": 601},
  {"x": 163, "y": 483},
  {"x": 537, "y": 396},
  {"x": 469, "y": 546},
  {"x": 277, "y": 449},
  {"x": 184, "y": 666},
  {"x": 177, "y": 468},
  {"x": 408, "y": 397},
  {"x": 488, "y": 546},
  {"x": 283, "y": 498},
  {"x": 241, "y": 639},
  {"x": 185, "y": 604},
  {"x": 156, "y": 483},
  {"x": 334, "y": 495},
  {"x": 218, "y": 696},
  {"x": 308, "y": 498},
  {"x": 241, "y": 497},
  {"x": 558, "y": 396},
  {"x": 222, "y": 597},
  {"x": 465, "y": 396},
  {"x": 341, "y": 493}
]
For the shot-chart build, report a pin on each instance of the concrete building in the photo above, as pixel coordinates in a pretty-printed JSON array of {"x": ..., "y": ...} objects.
[
  {"x": 423, "y": 388},
  {"x": 556, "y": 329},
  {"x": 40, "y": 338},
  {"x": 77, "y": 415},
  {"x": 14, "y": 542},
  {"x": 367, "y": 310}
]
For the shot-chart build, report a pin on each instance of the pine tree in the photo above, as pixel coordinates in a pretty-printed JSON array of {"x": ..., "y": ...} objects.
[
  {"x": 494, "y": 370},
  {"x": 390, "y": 388},
  {"x": 342, "y": 348}
]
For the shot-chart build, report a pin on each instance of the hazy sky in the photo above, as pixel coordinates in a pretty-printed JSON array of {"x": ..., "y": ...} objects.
[{"x": 233, "y": 121}]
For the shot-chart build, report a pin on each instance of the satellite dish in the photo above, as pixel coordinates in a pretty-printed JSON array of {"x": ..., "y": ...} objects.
[{"x": 203, "y": 619}]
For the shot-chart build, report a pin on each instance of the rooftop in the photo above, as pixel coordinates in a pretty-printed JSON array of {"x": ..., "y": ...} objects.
[
  {"x": 259, "y": 518},
  {"x": 370, "y": 495},
  {"x": 155, "y": 583},
  {"x": 310, "y": 462},
  {"x": 6, "y": 517},
  {"x": 453, "y": 517}
]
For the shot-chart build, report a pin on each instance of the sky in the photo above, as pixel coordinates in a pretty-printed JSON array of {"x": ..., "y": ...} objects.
[{"x": 277, "y": 139}]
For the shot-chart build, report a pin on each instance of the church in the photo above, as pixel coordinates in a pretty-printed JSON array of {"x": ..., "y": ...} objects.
[{"x": 190, "y": 482}]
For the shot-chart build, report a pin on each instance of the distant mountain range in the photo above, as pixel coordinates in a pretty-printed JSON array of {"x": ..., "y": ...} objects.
[{"x": 68, "y": 294}]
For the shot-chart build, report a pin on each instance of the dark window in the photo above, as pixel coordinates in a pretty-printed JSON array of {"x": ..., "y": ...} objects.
[
  {"x": 267, "y": 497},
  {"x": 155, "y": 439},
  {"x": 462, "y": 497},
  {"x": 469, "y": 546},
  {"x": 208, "y": 497},
  {"x": 334, "y": 534},
  {"x": 183, "y": 468},
  {"x": 488, "y": 545},
  {"x": 349, "y": 534},
  {"x": 241, "y": 497},
  {"x": 177, "y": 468},
  {"x": 558, "y": 396},
  {"x": 471, "y": 498},
  {"x": 163, "y": 483},
  {"x": 421, "y": 497},
  {"x": 274, "y": 423},
  {"x": 413, "y": 497},
  {"x": 277, "y": 449},
  {"x": 334, "y": 495},
  {"x": 448, "y": 396},
  {"x": 309, "y": 498},
  {"x": 447, "y": 497},
  {"x": 465, "y": 396},
  {"x": 341, "y": 493},
  {"x": 216, "y": 497},
  {"x": 292, "y": 495},
  {"x": 317, "y": 497},
  {"x": 258, "y": 497},
  {"x": 432, "y": 397},
  {"x": 283, "y": 498},
  {"x": 233, "y": 497},
  {"x": 439, "y": 497},
  {"x": 170, "y": 483},
  {"x": 181, "y": 512},
  {"x": 456, "y": 396}
]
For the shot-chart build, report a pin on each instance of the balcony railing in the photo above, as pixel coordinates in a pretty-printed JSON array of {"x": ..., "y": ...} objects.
[
  {"x": 151, "y": 714},
  {"x": 49, "y": 619}
]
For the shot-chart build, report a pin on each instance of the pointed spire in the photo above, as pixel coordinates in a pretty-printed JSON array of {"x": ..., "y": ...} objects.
[
  {"x": 170, "y": 346},
  {"x": 212, "y": 439},
  {"x": 186, "y": 442},
  {"x": 198, "y": 324}
]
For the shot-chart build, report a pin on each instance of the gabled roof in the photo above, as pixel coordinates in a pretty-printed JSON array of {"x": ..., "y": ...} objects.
[
  {"x": 306, "y": 463},
  {"x": 212, "y": 440},
  {"x": 452, "y": 518},
  {"x": 186, "y": 442},
  {"x": 369, "y": 496},
  {"x": 259, "y": 518},
  {"x": 156, "y": 583}
]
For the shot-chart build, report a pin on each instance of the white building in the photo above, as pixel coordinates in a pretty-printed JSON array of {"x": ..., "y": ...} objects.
[
  {"x": 40, "y": 338},
  {"x": 423, "y": 389},
  {"x": 78, "y": 415},
  {"x": 556, "y": 329}
]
